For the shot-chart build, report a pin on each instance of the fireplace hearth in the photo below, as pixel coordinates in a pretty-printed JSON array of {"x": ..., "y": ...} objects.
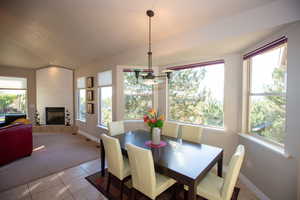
[{"x": 55, "y": 115}]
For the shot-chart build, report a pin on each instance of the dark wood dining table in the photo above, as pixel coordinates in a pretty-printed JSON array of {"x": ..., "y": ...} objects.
[{"x": 184, "y": 161}]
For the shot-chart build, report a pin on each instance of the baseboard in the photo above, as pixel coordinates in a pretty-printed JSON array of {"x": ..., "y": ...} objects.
[
  {"x": 91, "y": 137},
  {"x": 253, "y": 188}
]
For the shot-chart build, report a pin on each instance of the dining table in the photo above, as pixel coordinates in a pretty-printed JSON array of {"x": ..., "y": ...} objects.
[{"x": 184, "y": 161}]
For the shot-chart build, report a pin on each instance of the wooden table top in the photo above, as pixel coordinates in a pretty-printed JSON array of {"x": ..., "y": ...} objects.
[{"x": 178, "y": 159}]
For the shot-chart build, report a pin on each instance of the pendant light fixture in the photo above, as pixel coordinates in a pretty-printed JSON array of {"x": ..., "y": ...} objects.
[{"x": 148, "y": 75}]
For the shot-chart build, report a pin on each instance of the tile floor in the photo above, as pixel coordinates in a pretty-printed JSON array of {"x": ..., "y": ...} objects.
[{"x": 70, "y": 184}]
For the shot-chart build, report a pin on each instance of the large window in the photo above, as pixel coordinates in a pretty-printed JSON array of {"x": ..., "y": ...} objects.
[
  {"x": 81, "y": 99},
  {"x": 138, "y": 97},
  {"x": 13, "y": 96},
  {"x": 105, "y": 97},
  {"x": 195, "y": 94},
  {"x": 267, "y": 74}
]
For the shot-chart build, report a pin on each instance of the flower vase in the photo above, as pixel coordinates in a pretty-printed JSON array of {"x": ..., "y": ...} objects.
[{"x": 156, "y": 136}]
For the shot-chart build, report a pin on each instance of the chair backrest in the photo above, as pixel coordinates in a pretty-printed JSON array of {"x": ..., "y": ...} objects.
[
  {"x": 142, "y": 169},
  {"x": 116, "y": 128},
  {"x": 191, "y": 133},
  {"x": 233, "y": 171},
  {"x": 170, "y": 129},
  {"x": 114, "y": 156}
]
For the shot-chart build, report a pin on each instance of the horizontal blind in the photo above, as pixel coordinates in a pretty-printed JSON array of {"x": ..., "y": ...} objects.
[
  {"x": 266, "y": 47},
  {"x": 81, "y": 82},
  {"x": 141, "y": 70},
  {"x": 202, "y": 64},
  {"x": 105, "y": 78},
  {"x": 13, "y": 82}
]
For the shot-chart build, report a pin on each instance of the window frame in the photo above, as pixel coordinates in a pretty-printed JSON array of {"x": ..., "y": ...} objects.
[
  {"x": 249, "y": 94},
  {"x": 78, "y": 104},
  {"x": 19, "y": 89},
  {"x": 100, "y": 124},
  {"x": 192, "y": 66},
  {"x": 82, "y": 86},
  {"x": 99, "y": 120}
]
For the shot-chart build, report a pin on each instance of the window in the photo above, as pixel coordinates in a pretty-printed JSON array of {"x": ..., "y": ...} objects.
[
  {"x": 81, "y": 99},
  {"x": 267, "y": 74},
  {"x": 13, "y": 96},
  {"x": 195, "y": 94},
  {"x": 105, "y": 97},
  {"x": 137, "y": 97}
]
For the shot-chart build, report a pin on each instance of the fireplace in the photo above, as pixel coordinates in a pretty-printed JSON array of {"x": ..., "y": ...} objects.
[{"x": 55, "y": 115}]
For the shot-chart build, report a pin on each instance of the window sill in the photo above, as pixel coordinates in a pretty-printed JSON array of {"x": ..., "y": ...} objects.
[
  {"x": 221, "y": 129},
  {"x": 103, "y": 127},
  {"x": 275, "y": 148},
  {"x": 80, "y": 120},
  {"x": 133, "y": 120}
]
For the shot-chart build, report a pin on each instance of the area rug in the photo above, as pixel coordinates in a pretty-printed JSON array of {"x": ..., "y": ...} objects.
[
  {"x": 100, "y": 184},
  {"x": 53, "y": 152}
]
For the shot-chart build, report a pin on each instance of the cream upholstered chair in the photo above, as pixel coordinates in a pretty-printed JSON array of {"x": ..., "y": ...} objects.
[
  {"x": 144, "y": 177},
  {"x": 213, "y": 187},
  {"x": 170, "y": 129},
  {"x": 191, "y": 133},
  {"x": 117, "y": 165},
  {"x": 116, "y": 128}
]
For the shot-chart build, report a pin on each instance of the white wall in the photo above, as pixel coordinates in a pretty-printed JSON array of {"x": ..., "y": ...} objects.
[
  {"x": 54, "y": 87},
  {"x": 274, "y": 174}
]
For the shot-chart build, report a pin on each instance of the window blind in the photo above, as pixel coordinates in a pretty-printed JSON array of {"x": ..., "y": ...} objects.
[
  {"x": 202, "y": 64},
  {"x": 13, "y": 82},
  {"x": 266, "y": 47},
  {"x": 81, "y": 82},
  {"x": 105, "y": 78}
]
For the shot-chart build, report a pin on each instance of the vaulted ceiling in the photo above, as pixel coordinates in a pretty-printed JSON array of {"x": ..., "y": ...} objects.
[{"x": 72, "y": 33}]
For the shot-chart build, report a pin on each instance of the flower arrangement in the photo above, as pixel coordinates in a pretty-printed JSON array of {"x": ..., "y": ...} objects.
[{"x": 154, "y": 119}]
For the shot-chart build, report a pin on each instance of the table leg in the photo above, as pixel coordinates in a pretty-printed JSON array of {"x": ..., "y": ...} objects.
[
  {"x": 102, "y": 151},
  {"x": 220, "y": 166},
  {"x": 192, "y": 192}
]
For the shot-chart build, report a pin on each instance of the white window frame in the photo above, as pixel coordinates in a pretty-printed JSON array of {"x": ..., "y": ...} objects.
[
  {"x": 187, "y": 123},
  {"x": 17, "y": 89},
  {"x": 78, "y": 99},
  {"x": 99, "y": 105},
  {"x": 99, "y": 97},
  {"x": 247, "y": 76}
]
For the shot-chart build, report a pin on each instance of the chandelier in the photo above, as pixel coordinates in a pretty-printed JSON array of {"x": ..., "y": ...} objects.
[{"x": 148, "y": 75}]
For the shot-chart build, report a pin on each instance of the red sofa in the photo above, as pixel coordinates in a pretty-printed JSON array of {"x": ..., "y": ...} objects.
[{"x": 15, "y": 142}]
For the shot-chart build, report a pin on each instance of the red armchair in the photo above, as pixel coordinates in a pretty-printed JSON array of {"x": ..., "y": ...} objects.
[{"x": 15, "y": 142}]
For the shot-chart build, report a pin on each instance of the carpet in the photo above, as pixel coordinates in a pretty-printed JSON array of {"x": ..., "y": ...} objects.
[
  {"x": 100, "y": 184},
  {"x": 53, "y": 152}
]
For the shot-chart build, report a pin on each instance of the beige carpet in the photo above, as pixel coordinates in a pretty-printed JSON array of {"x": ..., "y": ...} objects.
[{"x": 55, "y": 152}]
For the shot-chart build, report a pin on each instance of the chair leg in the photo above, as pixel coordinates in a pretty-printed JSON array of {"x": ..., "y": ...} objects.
[
  {"x": 108, "y": 182},
  {"x": 122, "y": 187},
  {"x": 186, "y": 195},
  {"x": 133, "y": 193},
  {"x": 235, "y": 194}
]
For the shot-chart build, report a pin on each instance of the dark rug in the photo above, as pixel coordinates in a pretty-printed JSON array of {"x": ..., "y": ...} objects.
[{"x": 100, "y": 183}]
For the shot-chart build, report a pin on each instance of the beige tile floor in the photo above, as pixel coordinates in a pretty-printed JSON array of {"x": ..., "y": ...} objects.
[{"x": 70, "y": 184}]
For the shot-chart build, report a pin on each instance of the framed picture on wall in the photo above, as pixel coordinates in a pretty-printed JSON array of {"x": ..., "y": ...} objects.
[
  {"x": 90, "y": 82},
  {"x": 90, "y": 95},
  {"x": 90, "y": 108}
]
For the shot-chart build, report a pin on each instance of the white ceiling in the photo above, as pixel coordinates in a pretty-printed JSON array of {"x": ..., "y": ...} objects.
[{"x": 35, "y": 33}]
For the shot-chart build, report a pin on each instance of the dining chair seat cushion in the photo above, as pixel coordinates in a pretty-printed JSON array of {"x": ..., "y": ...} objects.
[
  {"x": 210, "y": 187},
  {"x": 163, "y": 183},
  {"x": 126, "y": 169}
]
